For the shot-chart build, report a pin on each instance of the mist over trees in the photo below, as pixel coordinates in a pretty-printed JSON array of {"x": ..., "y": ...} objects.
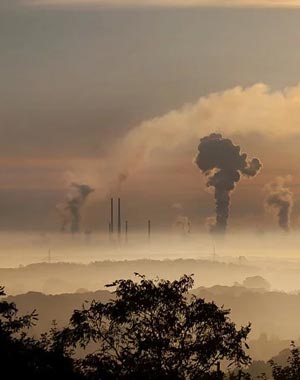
[
  {"x": 156, "y": 330},
  {"x": 151, "y": 329}
]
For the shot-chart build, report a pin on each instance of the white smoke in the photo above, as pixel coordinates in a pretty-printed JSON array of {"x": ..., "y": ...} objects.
[
  {"x": 255, "y": 109},
  {"x": 281, "y": 199}
]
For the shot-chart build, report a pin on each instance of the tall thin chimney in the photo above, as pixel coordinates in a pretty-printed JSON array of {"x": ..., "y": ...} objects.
[
  {"x": 126, "y": 229},
  {"x": 112, "y": 215},
  {"x": 149, "y": 229},
  {"x": 119, "y": 216}
]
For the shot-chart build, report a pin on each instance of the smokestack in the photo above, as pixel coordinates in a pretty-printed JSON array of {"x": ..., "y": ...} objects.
[
  {"x": 111, "y": 215},
  {"x": 223, "y": 164},
  {"x": 75, "y": 216},
  {"x": 149, "y": 229},
  {"x": 119, "y": 216},
  {"x": 126, "y": 229}
]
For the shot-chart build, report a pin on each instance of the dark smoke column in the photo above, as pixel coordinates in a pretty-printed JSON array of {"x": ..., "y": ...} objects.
[
  {"x": 280, "y": 198},
  {"x": 80, "y": 195},
  {"x": 70, "y": 209},
  {"x": 223, "y": 164}
]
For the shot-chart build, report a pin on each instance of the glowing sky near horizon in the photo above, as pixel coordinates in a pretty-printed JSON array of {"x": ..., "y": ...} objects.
[
  {"x": 75, "y": 83},
  {"x": 167, "y": 3}
]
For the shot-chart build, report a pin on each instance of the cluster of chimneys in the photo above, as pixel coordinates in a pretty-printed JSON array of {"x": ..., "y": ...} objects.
[{"x": 111, "y": 226}]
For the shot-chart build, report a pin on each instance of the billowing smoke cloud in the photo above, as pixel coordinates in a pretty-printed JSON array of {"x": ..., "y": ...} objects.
[
  {"x": 281, "y": 199},
  {"x": 221, "y": 161},
  {"x": 236, "y": 111},
  {"x": 69, "y": 210}
]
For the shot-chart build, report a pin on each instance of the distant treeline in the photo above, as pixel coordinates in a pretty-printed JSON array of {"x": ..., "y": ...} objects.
[
  {"x": 148, "y": 329},
  {"x": 68, "y": 277},
  {"x": 255, "y": 305}
]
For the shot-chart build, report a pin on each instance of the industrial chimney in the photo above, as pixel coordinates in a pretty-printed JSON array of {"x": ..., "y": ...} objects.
[
  {"x": 126, "y": 230},
  {"x": 119, "y": 216},
  {"x": 111, "y": 216},
  {"x": 149, "y": 229}
]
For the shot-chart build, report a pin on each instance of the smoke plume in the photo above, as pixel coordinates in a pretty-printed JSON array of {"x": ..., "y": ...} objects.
[
  {"x": 241, "y": 111},
  {"x": 182, "y": 224},
  {"x": 281, "y": 199},
  {"x": 69, "y": 210},
  {"x": 221, "y": 161},
  {"x": 210, "y": 222}
]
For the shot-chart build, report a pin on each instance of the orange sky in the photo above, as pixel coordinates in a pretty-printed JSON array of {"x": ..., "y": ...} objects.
[
  {"x": 260, "y": 3},
  {"x": 90, "y": 94}
]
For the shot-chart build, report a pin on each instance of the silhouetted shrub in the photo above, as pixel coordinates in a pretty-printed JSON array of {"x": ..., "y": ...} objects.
[
  {"x": 155, "y": 330},
  {"x": 292, "y": 370},
  {"x": 23, "y": 357}
]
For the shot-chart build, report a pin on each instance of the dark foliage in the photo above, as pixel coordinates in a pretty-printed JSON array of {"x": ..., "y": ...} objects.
[
  {"x": 23, "y": 357},
  {"x": 155, "y": 330},
  {"x": 292, "y": 370},
  {"x": 238, "y": 375}
]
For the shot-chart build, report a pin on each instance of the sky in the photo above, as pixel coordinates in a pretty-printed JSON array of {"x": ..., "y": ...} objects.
[
  {"x": 90, "y": 92},
  {"x": 167, "y": 3}
]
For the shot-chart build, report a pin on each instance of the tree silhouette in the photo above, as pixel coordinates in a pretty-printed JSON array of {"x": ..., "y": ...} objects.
[
  {"x": 155, "y": 330},
  {"x": 238, "y": 375},
  {"x": 23, "y": 357},
  {"x": 292, "y": 370}
]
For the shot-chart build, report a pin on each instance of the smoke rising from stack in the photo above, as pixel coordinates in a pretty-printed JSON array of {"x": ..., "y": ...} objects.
[
  {"x": 210, "y": 222},
  {"x": 70, "y": 209},
  {"x": 281, "y": 199},
  {"x": 255, "y": 109},
  {"x": 182, "y": 223},
  {"x": 221, "y": 161}
]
